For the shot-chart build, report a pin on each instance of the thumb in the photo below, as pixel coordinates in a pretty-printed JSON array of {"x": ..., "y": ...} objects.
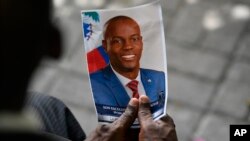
[
  {"x": 130, "y": 114},
  {"x": 144, "y": 113}
]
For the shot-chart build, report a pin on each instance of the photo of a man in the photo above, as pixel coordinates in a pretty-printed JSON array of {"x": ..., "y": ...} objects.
[
  {"x": 123, "y": 78},
  {"x": 126, "y": 58}
]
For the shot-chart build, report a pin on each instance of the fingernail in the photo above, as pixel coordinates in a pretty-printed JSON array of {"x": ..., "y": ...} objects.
[
  {"x": 133, "y": 102},
  {"x": 144, "y": 99}
]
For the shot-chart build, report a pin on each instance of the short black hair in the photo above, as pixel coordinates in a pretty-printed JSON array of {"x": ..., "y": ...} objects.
[{"x": 114, "y": 19}]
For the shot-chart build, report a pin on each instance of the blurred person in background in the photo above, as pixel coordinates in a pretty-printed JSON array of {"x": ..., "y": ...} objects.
[{"x": 28, "y": 36}]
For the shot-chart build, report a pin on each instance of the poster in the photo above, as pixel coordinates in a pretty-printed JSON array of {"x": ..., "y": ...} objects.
[{"x": 126, "y": 45}]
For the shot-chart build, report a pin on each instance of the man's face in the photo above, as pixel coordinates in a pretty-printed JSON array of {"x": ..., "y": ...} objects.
[{"x": 123, "y": 44}]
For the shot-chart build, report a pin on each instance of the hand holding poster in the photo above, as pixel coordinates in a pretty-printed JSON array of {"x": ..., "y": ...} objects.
[{"x": 126, "y": 56}]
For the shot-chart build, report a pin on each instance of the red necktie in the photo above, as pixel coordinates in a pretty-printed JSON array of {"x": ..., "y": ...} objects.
[{"x": 133, "y": 85}]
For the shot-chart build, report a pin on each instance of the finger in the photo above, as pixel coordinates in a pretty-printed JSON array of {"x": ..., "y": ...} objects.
[
  {"x": 144, "y": 113},
  {"x": 130, "y": 114},
  {"x": 168, "y": 120}
]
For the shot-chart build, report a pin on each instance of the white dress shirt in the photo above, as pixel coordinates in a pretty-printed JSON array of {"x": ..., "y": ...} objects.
[{"x": 125, "y": 81}]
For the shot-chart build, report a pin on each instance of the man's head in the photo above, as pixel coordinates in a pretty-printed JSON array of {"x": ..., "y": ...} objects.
[
  {"x": 28, "y": 36},
  {"x": 123, "y": 43}
]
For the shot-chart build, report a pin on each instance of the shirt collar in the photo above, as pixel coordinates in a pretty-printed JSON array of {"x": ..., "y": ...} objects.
[{"x": 125, "y": 80}]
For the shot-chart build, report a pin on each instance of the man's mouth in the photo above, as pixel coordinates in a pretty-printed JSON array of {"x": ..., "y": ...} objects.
[{"x": 128, "y": 57}]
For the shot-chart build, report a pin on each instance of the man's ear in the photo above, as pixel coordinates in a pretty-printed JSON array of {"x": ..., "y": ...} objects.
[
  {"x": 142, "y": 41},
  {"x": 104, "y": 45}
]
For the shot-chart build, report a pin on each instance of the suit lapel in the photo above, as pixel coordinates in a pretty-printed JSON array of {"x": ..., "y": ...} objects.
[
  {"x": 116, "y": 87},
  {"x": 149, "y": 86}
]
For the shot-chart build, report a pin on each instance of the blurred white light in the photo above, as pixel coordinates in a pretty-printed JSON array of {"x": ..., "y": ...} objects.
[
  {"x": 240, "y": 12},
  {"x": 114, "y": 6},
  {"x": 67, "y": 11},
  {"x": 212, "y": 20},
  {"x": 98, "y": 3},
  {"x": 89, "y": 3},
  {"x": 81, "y": 3},
  {"x": 58, "y": 3},
  {"x": 137, "y": 2},
  {"x": 192, "y": 1},
  {"x": 119, "y": 4}
]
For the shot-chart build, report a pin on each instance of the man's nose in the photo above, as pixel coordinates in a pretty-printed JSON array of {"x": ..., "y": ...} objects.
[{"x": 127, "y": 44}]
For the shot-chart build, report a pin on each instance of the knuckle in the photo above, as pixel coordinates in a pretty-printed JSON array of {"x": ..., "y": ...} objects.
[
  {"x": 104, "y": 128},
  {"x": 144, "y": 113}
]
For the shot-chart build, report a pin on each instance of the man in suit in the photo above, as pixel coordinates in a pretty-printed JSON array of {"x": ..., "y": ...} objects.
[{"x": 123, "y": 44}]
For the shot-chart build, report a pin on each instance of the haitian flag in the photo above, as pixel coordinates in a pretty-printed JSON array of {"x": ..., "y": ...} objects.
[{"x": 92, "y": 33}]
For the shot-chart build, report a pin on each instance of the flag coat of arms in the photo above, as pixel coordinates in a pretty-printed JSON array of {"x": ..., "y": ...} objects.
[{"x": 96, "y": 56}]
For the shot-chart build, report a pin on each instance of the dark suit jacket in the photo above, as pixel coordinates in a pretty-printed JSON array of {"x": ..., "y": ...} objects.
[
  {"x": 55, "y": 116},
  {"x": 108, "y": 90}
]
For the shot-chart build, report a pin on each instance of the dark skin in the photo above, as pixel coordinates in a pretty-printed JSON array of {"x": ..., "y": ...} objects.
[
  {"x": 159, "y": 130},
  {"x": 123, "y": 43}
]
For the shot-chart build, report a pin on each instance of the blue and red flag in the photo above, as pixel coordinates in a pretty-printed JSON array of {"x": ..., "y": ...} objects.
[{"x": 92, "y": 30}]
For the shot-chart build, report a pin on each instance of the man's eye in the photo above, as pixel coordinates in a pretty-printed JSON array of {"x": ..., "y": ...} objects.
[
  {"x": 135, "y": 39},
  {"x": 117, "y": 41}
]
